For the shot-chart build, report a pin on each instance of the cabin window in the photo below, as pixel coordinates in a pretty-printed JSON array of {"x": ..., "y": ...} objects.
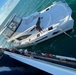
[
  {"x": 47, "y": 9},
  {"x": 50, "y": 28},
  {"x": 23, "y": 37},
  {"x": 55, "y": 32}
]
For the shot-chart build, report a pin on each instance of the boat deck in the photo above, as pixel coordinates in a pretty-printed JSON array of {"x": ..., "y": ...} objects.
[{"x": 49, "y": 67}]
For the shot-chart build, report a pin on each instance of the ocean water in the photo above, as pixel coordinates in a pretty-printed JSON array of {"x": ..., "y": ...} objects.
[
  {"x": 4, "y": 69},
  {"x": 60, "y": 45}
]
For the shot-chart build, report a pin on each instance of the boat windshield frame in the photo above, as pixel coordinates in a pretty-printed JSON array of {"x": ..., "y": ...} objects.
[{"x": 12, "y": 26}]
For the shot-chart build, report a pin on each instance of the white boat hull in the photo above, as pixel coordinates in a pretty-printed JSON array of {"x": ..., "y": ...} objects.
[
  {"x": 52, "y": 21},
  {"x": 49, "y": 34}
]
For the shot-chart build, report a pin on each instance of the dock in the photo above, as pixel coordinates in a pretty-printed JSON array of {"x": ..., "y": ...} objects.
[{"x": 48, "y": 67}]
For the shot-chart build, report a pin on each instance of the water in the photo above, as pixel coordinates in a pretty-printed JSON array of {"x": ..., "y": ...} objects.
[
  {"x": 60, "y": 45},
  {"x": 4, "y": 69}
]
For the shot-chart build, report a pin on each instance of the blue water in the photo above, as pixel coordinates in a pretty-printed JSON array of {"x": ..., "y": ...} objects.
[{"x": 60, "y": 45}]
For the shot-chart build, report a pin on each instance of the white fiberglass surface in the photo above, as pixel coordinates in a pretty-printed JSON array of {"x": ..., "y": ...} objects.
[{"x": 51, "y": 16}]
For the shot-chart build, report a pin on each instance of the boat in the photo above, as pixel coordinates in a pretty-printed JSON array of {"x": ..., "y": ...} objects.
[
  {"x": 49, "y": 63},
  {"x": 40, "y": 26}
]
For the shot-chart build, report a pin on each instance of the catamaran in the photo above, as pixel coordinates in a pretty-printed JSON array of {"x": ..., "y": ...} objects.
[{"x": 40, "y": 26}]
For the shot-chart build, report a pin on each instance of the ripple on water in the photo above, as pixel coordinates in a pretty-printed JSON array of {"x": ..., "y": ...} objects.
[{"x": 4, "y": 69}]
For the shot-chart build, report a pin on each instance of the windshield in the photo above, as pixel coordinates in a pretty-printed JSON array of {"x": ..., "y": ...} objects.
[{"x": 12, "y": 26}]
